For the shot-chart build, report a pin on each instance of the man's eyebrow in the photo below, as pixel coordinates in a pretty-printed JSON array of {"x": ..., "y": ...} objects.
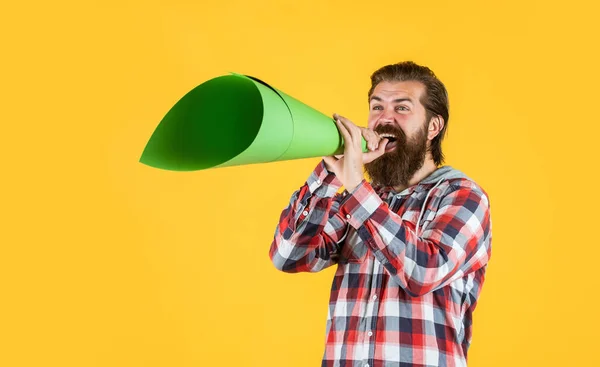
[{"x": 397, "y": 100}]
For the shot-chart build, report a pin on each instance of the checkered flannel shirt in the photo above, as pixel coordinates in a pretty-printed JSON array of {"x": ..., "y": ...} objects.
[{"x": 410, "y": 266}]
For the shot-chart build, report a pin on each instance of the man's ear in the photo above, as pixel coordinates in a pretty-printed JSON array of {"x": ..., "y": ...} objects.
[{"x": 436, "y": 124}]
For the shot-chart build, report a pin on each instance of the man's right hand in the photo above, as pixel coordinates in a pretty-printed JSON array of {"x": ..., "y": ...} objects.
[{"x": 375, "y": 145}]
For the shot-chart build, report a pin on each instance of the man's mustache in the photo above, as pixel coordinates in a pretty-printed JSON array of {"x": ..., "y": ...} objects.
[{"x": 388, "y": 129}]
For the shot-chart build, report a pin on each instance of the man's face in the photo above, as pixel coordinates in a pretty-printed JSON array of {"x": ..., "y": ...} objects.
[
  {"x": 397, "y": 104},
  {"x": 395, "y": 109}
]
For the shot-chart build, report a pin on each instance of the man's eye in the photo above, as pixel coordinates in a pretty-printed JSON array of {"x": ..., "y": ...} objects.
[
  {"x": 377, "y": 107},
  {"x": 402, "y": 108}
]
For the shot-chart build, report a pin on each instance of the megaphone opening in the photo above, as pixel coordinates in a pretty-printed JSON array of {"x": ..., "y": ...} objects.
[{"x": 203, "y": 128}]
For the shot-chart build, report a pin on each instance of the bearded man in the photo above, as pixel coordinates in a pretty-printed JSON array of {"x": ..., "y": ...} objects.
[{"x": 411, "y": 245}]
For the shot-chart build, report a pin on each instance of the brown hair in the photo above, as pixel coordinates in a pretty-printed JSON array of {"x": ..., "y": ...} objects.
[{"x": 435, "y": 98}]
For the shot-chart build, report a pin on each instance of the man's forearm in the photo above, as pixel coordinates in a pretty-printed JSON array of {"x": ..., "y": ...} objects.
[{"x": 308, "y": 231}]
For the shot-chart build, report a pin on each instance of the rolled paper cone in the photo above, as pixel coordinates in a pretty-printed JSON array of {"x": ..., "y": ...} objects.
[{"x": 235, "y": 120}]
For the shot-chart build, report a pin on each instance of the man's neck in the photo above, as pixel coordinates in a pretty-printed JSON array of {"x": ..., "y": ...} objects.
[{"x": 428, "y": 168}]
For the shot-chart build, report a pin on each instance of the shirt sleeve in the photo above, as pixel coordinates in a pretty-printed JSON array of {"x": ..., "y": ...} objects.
[
  {"x": 309, "y": 230},
  {"x": 457, "y": 241}
]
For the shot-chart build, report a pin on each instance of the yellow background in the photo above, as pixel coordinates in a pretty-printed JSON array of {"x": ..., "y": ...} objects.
[{"x": 107, "y": 262}]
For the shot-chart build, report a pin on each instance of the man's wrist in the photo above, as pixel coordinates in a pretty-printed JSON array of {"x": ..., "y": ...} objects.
[
  {"x": 354, "y": 183},
  {"x": 352, "y": 187}
]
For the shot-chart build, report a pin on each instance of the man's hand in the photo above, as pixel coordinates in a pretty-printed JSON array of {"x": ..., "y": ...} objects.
[{"x": 349, "y": 168}]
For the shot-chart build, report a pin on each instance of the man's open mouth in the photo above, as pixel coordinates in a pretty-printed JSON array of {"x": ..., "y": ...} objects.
[{"x": 392, "y": 141}]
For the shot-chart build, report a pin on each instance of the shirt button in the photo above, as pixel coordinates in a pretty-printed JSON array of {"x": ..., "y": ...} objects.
[
  {"x": 348, "y": 216},
  {"x": 367, "y": 365},
  {"x": 318, "y": 182},
  {"x": 374, "y": 297},
  {"x": 305, "y": 213},
  {"x": 370, "y": 333}
]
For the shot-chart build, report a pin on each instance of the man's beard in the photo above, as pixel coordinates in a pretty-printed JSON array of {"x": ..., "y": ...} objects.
[{"x": 397, "y": 167}]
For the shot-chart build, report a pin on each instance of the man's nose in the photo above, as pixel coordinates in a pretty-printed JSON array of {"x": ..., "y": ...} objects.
[{"x": 387, "y": 118}]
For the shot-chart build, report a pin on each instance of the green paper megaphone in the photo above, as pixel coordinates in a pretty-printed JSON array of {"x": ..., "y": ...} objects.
[{"x": 235, "y": 120}]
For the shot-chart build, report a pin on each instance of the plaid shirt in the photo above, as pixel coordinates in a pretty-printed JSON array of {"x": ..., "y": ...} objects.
[{"x": 410, "y": 265}]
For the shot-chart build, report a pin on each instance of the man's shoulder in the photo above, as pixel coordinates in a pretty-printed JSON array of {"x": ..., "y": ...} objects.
[{"x": 449, "y": 179}]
